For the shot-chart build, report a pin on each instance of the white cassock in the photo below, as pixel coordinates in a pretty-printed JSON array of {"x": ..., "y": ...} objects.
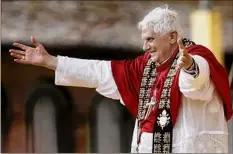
[{"x": 201, "y": 126}]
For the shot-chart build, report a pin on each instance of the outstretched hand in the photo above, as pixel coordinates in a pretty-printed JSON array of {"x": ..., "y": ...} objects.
[
  {"x": 30, "y": 55},
  {"x": 185, "y": 60}
]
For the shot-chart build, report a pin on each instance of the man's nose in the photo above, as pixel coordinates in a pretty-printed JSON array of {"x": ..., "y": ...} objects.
[{"x": 145, "y": 47}]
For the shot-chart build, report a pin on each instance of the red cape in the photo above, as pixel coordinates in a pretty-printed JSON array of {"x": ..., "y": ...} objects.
[{"x": 128, "y": 74}]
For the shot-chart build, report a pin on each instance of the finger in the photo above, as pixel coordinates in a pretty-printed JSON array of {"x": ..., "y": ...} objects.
[
  {"x": 182, "y": 47},
  {"x": 180, "y": 63},
  {"x": 17, "y": 51},
  {"x": 183, "y": 59},
  {"x": 22, "y": 46},
  {"x": 17, "y": 55},
  {"x": 35, "y": 42},
  {"x": 20, "y": 61},
  {"x": 180, "y": 43},
  {"x": 178, "y": 67}
]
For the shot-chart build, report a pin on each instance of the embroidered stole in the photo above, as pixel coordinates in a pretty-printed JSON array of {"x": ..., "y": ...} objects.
[
  {"x": 162, "y": 136},
  {"x": 163, "y": 126}
]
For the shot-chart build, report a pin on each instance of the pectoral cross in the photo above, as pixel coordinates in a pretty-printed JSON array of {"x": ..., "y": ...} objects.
[{"x": 150, "y": 105}]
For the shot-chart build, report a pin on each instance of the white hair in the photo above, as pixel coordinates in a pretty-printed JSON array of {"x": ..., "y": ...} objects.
[{"x": 162, "y": 20}]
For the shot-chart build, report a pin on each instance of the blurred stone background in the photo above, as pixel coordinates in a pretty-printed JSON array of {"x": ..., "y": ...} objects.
[{"x": 102, "y": 23}]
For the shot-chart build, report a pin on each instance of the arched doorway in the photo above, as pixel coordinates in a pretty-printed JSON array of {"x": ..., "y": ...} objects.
[
  {"x": 111, "y": 126},
  {"x": 5, "y": 116},
  {"x": 49, "y": 121}
]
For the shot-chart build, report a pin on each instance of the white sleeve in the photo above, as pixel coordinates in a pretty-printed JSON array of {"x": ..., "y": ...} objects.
[
  {"x": 200, "y": 87},
  {"x": 87, "y": 73}
]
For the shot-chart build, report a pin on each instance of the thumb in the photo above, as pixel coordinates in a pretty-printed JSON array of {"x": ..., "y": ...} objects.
[
  {"x": 182, "y": 48},
  {"x": 34, "y": 41}
]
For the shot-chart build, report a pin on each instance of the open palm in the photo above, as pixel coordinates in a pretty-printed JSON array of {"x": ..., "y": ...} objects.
[{"x": 30, "y": 55}]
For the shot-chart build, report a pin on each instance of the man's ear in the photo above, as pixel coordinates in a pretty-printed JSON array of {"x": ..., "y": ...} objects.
[{"x": 173, "y": 36}]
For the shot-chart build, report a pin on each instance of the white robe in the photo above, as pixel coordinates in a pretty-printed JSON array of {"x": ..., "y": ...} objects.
[{"x": 201, "y": 125}]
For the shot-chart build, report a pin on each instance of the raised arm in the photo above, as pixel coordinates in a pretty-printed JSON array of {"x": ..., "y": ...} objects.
[
  {"x": 86, "y": 73},
  {"x": 69, "y": 71},
  {"x": 194, "y": 78},
  {"x": 196, "y": 83}
]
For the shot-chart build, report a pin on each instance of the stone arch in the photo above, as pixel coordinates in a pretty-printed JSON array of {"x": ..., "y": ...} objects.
[
  {"x": 52, "y": 99},
  {"x": 5, "y": 115},
  {"x": 111, "y": 126}
]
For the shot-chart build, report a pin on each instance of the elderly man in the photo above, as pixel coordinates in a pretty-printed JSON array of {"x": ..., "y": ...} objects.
[{"x": 177, "y": 91}]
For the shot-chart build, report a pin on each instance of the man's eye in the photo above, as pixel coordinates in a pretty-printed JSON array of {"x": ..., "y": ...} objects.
[{"x": 150, "y": 39}]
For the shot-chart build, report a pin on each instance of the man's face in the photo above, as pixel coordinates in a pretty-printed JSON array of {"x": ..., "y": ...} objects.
[{"x": 155, "y": 43}]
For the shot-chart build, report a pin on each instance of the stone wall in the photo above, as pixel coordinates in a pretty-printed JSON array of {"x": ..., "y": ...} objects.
[{"x": 109, "y": 23}]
